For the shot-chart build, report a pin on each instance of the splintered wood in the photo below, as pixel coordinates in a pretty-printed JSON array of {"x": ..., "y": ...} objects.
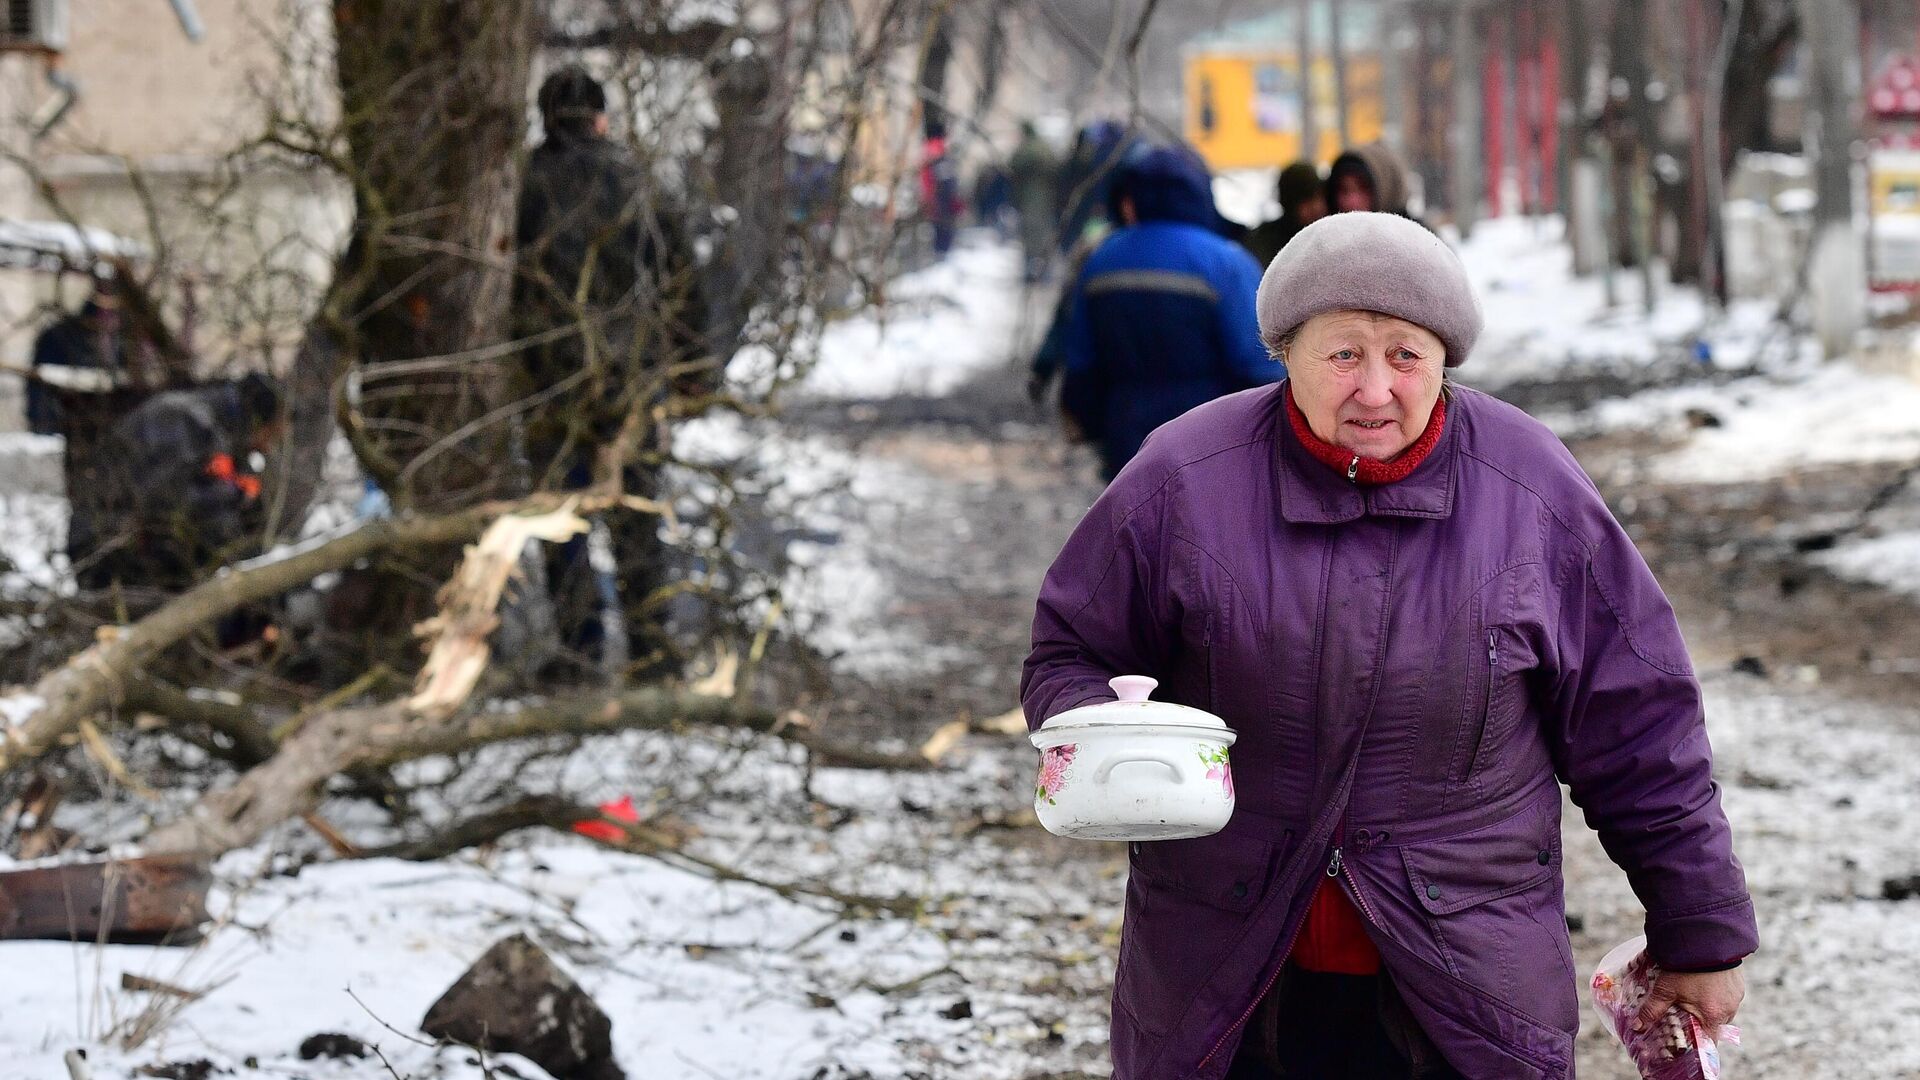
[{"x": 469, "y": 608}]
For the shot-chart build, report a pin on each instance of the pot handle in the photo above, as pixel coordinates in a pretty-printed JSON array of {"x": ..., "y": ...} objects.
[
  {"x": 1100, "y": 774},
  {"x": 1132, "y": 687}
]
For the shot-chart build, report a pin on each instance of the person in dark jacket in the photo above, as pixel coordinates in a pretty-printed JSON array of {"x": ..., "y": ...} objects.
[
  {"x": 1086, "y": 179},
  {"x": 1035, "y": 174},
  {"x": 175, "y": 492},
  {"x": 1162, "y": 315},
  {"x": 88, "y": 338},
  {"x": 1303, "y": 201},
  {"x": 605, "y": 293},
  {"x": 1368, "y": 177}
]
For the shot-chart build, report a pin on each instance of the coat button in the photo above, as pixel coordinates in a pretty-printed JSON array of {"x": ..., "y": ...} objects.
[
  {"x": 1433, "y": 892},
  {"x": 1136, "y": 847},
  {"x": 1544, "y": 857},
  {"x": 1239, "y": 890}
]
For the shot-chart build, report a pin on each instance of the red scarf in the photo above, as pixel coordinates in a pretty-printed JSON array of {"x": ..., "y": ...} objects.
[{"x": 1366, "y": 470}]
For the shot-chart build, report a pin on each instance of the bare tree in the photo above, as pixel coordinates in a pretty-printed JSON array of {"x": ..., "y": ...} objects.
[{"x": 1837, "y": 276}]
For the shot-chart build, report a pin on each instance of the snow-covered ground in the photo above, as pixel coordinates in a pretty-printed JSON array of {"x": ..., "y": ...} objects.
[
  {"x": 701, "y": 978},
  {"x": 939, "y": 327},
  {"x": 1541, "y": 319}
]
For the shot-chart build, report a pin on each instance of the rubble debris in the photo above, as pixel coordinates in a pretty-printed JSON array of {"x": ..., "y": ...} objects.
[
  {"x": 200, "y": 1069},
  {"x": 1901, "y": 888},
  {"x": 516, "y": 1000},
  {"x": 332, "y": 1044}
]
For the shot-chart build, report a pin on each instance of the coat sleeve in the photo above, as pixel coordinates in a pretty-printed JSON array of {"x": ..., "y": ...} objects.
[
  {"x": 1239, "y": 324},
  {"x": 1104, "y": 608},
  {"x": 1628, "y": 736}
]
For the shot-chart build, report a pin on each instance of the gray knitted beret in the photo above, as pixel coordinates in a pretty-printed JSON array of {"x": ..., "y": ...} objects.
[{"x": 1370, "y": 262}]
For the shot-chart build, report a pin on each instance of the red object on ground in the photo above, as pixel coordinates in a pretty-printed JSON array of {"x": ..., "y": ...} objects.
[
  {"x": 1334, "y": 940},
  {"x": 1366, "y": 470},
  {"x": 605, "y": 830}
]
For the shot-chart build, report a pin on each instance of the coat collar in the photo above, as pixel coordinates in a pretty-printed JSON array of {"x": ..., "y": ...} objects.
[{"x": 1313, "y": 494}]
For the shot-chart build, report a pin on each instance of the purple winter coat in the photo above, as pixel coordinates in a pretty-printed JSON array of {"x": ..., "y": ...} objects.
[{"x": 1409, "y": 668}]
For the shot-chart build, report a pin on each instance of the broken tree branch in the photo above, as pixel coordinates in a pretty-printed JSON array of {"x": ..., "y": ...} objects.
[{"x": 33, "y": 720}]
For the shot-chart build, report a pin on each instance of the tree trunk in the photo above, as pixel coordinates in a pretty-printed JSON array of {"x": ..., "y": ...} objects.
[
  {"x": 1392, "y": 90},
  {"x": 1467, "y": 92},
  {"x": 1309, "y": 124},
  {"x": 1337, "y": 46},
  {"x": 1837, "y": 278},
  {"x": 434, "y": 101}
]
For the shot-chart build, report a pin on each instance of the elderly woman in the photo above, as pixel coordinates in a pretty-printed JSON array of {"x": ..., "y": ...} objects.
[{"x": 1416, "y": 611}]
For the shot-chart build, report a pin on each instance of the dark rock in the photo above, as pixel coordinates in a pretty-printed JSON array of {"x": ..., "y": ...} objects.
[
  {"x": 1576, "y": 924},
  {"x": 849, "y": 934},
  {"x": 1701, "y": 418},
  {"x": 959, "y": 1010},
  {"x": 331, "y": 1044},
  {"x": 516, "y": 1000},
  {"x": 1816, "y": 542},
  {"x": 1751, "y": 665},
  {"x": 1901, "y": 888}
]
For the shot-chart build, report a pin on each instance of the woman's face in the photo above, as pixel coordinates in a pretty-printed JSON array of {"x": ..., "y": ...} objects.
[{"x": 1365, "y": 381}]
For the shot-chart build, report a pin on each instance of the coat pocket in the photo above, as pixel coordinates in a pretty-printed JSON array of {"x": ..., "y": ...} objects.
[{"x": 1494, "y": 906}]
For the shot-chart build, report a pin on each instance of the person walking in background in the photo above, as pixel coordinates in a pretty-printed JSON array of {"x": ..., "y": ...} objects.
[
  {"x": 1034, "y": 172},
  {"x": 1369, "y": 177},
  {"x": 1086, "y": 179},
  {"x": 1303, "y": 201},
  {"x": 1161, "y": 317},
  {"x": 91, "y": 338},
  {"x": 940, "y": 200},
  {"x": 605, "y": 287}
]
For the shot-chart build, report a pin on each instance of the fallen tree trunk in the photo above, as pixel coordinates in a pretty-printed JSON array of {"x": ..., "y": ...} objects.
[{"x": 33, "y": 720}]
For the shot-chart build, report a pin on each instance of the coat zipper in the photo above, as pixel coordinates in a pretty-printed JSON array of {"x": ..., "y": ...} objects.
[
  {"x": 1336, "y": 868},
  {"x": 1486, "y": 705},
  {"x": 1257, "y": 998}
]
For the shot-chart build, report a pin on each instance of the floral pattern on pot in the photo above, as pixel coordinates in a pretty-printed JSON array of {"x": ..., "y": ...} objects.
[
  {"x": 1215, "y": 759},
  {"x": 1054, "y": 761}
]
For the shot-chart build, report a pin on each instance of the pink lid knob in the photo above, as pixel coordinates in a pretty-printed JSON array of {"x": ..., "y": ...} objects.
[{"x": 1133, "y": 687}]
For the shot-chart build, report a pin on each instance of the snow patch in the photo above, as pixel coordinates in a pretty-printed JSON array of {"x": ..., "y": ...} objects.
[{"x": 1892, "y": 561}]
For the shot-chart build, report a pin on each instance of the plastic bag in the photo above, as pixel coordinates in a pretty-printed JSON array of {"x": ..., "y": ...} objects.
[{"x": 1677, "y": 1048}]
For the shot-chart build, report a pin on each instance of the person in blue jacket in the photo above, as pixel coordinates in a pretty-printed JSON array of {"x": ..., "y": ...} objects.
[{"x": 1162, "y": 314}]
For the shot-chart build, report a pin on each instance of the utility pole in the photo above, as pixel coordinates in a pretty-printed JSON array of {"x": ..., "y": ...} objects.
[
  {"x": 1837, "y": 278},
  {"x": 1466, "y": 117}
]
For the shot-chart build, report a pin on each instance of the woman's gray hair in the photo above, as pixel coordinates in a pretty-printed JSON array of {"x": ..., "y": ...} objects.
[{"x": 1278, "y": 344}]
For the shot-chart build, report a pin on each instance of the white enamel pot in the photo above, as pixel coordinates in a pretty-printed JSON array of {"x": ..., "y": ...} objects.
[{"x": 1133, "y": 769}]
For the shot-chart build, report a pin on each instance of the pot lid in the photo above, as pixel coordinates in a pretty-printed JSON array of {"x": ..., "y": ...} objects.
[{"x": 1133, "y": 707}]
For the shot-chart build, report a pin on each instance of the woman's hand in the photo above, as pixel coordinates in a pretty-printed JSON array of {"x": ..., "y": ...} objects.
[{"x": 1713, "y": 996}]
